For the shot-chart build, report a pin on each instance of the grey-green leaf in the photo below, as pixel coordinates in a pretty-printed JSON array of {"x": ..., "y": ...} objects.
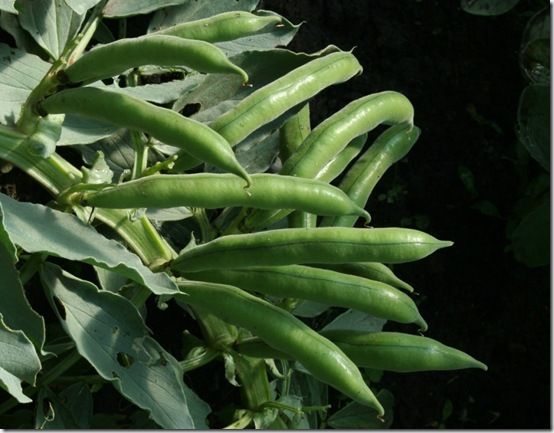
[
  {"x": 126, "y": 8},
  {"x": 70, "y": 409},
  {"x": 81, "y": 130},
  {"x": 15, "y": 308},
  {"x": 534, "y": 122},
  {"x": 354, "y": 320},
  {"x": 488, "y": 7},
  {"x": 356, "y": 416},
  {"x": 81, "y": 6},
  {"x": 52, "y": 23},
  {"x": 109, "y": 332},
  {"x": 190, "y": 10},
  {"x": 19, "y": 74},
  {"x": 37, "y": 228},
  {"x": 8, "y": 6},
  {"x": 19, "y": 361},
  {"x": 531, "y": 238}
]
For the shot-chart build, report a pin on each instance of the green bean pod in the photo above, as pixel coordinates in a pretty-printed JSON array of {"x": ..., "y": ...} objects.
[
  {"x": 166, "y": 125},
  {"x": 332, "y": 135},
  {"x": 391, "y": 146},
  {"x": 226, "y": 26},
  {"x": 211, "y": 190},
  {"x": 110, "y": 60},
  {"x": 370, "y": 270},
  {"x": 293, "y": 132},
  {"x": 274, "y": 99},
  {"x": 284, "y": 332},
  {"x": 316, "y": 245},
  {"x": 388, "y": 351},
  {"x": 320, "y": 285}
]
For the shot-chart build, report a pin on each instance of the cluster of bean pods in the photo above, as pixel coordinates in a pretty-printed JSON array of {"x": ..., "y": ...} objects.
[{"x": 332, "y": 262}]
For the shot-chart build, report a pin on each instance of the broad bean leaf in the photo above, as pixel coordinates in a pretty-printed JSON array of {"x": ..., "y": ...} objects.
[
  {"x": 534, "y": 122},
  {"x": 309, "y": 309},
  {"x": 82, "y": 130},
  {"x": 81, "y": 6},
  {"x": 70, "y": 409},
  {"x": 109, "y": 332},
  {"x": 313, "y": 393},
  {"x": 354, "y": 320},
  {"x": 190, "y": 10},
  {"x": 267, "y": 40},
  {"x": 37, "y": 228},
  {"x": 52, "y": 23},
  {"x": 110, "y": 280},
  {"x": 8, "y": 6},
  {"x": 530, "y": 239},
  {"x": 15, "y": 308},
  {"x": 357, "y": 416},
  {"x": 19, "y": 362},
  {"x": 126, "y": 8},
  {"x": 488, "y": 7},
  {"x": 19, "y": 74}
]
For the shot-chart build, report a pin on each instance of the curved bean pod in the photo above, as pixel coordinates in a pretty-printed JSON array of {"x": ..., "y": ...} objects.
[
  {"x": 333, "y": 134},
  {"x": 320, "y": 285},
  {"x": 388, "y": 351},
  {"x": 284, "y": 332},
  {"x": 112, "y": 59},
  {"x": 210, "y": 191},
  {"x": 391, "y": 146},
  {"x": 166, "y": 125},
  {"x": 371, "y": 271},
  {"x": 223, "y": 27},
  {"x": 274, "y": 99},
  {"x": 316, "y": 245}
]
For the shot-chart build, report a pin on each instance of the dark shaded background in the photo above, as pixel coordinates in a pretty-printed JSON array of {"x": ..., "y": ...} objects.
[{"x": 475, "y": 296}]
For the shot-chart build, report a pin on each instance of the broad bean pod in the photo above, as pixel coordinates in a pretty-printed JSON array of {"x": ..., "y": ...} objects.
[
  {"x": 370, "y": 270},
  {"x": 225, "y": 26},
  {"x": 274, "y": 99},
  {"x": 388, "y": 351},
  {"x": 166, "y": 125},
  {"x": 332, "y": 135},
  {"x": 211, "y": 190},
  {"x": 391, "y": 146},
  {"x": 320, "y": 285},
  {"x": 110, "y": 60},
  {"x": 312, "y": 245},
  {"x": 284, "y": 332}
]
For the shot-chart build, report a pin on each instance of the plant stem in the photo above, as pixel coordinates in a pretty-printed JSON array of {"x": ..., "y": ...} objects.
[{"x": 252, "y": 374}]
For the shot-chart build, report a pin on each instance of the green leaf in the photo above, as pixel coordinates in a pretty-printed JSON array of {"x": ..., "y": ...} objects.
[
  {"x": 313, "y": 393},
  {"x": 110, "y": 280},
  {"x": 264, "y": 418},
  {"x": 531, "y": 238},
  {"x": 109, "y": 332},
  {"x": 356, "y": 321},
  {"x": 19, "y": 74},
  {"x": 162, "y": 93},
  {"x": 191, "y": 10},
  {"x": 52, "y": 23},
  {"x": 70, "y": 409},
  {"x": 37, "y": 228},
  {"x": 309, "y": 309},
  {"x": 488, "y": 7},
  {"x": 126, "y": 8},
  {"x": 15, "y": 308},
  {"x": 274, "y": 37},
  {"x": 258, "y": 151},
  {"x": 356, "y": 416},
  {"x": 8, "y": 6},
  {"x": 533, "y": 119},
  {"x": 19, "y": 362},
  {"x": 81, "y": 6},
  {"x": 81, "y": 130}
]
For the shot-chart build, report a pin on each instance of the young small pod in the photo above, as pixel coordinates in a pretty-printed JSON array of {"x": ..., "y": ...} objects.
[
  {"x": 391, "y": 146},
  {"x": 110, "y": 60},
  {"x": 166, "y": 125},
  {"x": 283, "y": 332},
  {"x": 211, "y": 191},
  {"x": 370, "y": 270},
  {"x": 222, "y": 27},
  {"x": 312, "y": 245},
  {"x": 320, "y": 285},
  {"x": 388, "y": 351},
  {"x": 274, "y": 99}
]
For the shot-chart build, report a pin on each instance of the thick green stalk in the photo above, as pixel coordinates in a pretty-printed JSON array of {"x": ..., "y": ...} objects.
[{"x": 252, "y": 374}]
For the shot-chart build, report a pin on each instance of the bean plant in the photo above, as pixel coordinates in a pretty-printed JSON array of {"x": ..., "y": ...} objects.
[{"x": 186, "y": 181}]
